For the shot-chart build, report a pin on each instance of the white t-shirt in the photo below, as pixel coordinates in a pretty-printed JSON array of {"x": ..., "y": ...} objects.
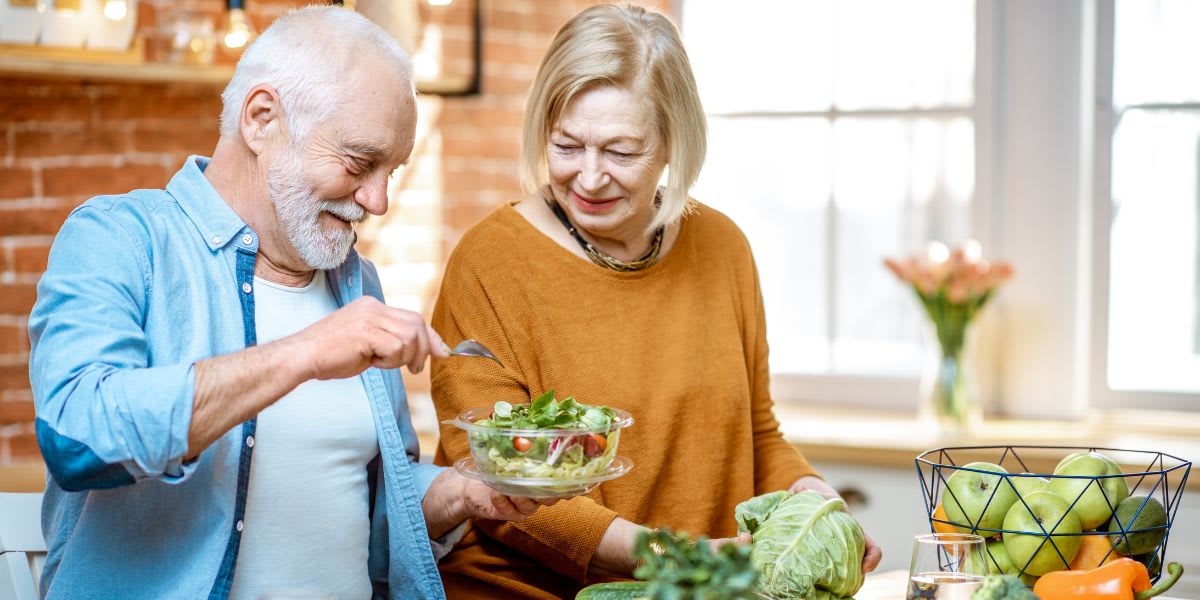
[{"x": 307, "y": 517}]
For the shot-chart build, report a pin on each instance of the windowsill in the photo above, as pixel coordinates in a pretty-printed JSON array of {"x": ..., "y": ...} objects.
[{"x": 894, "y": 439}]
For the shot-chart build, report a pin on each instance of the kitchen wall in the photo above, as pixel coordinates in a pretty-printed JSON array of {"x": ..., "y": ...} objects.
[{"x": 63, "y": 141}]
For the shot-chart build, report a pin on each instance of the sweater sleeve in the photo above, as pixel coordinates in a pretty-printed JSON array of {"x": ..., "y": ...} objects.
[
  {"x": 777, "y": 464},
  {"x": 562, "y": 537}
]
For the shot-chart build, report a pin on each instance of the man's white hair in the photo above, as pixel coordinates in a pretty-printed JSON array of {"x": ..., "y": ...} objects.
[{"x": 306, "y": 56}]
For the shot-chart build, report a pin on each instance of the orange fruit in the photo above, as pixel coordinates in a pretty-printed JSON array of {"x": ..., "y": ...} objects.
[
  {"x": 1092, "y": 551},
  {"x": 940, "y": 513}
]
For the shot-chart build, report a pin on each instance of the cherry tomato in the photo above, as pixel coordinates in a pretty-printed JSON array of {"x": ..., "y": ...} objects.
[
  {"x": 521, "y": 444},
  {"x": 594, "y": 444}
]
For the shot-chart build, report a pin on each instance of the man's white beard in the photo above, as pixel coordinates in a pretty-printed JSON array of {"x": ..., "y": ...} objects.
[{"x": 298, "y": 206}]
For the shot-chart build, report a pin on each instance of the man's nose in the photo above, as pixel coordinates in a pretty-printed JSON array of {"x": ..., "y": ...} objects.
[
  {"x": 373, "y": 194},
  {"x": 592, "y": 174}
]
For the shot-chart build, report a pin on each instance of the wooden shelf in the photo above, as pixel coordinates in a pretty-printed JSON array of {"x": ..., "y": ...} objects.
[
  {"x": 41, "y": 62},
  {"x": 144, "y": 73},
  {"x": 95, "y": 65}
]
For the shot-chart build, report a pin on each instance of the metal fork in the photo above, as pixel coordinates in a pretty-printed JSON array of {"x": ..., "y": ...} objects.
[{"x": 471, "y": 348}]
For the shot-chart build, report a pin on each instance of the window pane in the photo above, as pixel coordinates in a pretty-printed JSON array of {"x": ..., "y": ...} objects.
[
  {"x": 832, "y": 308},
  {"x": 898, "y": 184},
  {"x": 1156, "y": 51},
  {"x": 917, "y": 53},
  {"x": 745, "y": 62},
  {"x": 771, "y": 176},
  {"x": 811, "y": 54},
  {"x": 1152, "y": 292}
]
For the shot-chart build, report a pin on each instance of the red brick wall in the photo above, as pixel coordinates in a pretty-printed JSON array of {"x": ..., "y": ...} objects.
[{"x": 64, "y": 141}]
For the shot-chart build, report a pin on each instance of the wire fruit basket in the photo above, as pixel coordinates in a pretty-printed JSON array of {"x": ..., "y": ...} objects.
[{"x": 1049, "y": 508}]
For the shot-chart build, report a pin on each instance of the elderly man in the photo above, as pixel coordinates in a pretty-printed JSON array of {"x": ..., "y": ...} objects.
[{"x": 216, "y": 376}]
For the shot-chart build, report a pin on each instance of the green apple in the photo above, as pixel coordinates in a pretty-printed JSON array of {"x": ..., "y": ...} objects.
[
  {"x": 1047, "y": 522},
  {"x": 1072, "y": 456},
  {"x": 1068, "y": 458},
  {"x": 995, "y": 559},
  {"x": 1097, "y": 494},
  {"x": 1028, "y": 483},
  {"x": 977, "y": 499}
]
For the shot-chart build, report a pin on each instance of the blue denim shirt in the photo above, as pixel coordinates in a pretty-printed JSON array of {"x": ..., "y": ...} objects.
[{"x": 139, "y": 287}]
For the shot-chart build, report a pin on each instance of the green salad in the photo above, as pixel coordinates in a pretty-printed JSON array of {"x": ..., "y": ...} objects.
[{"x": 544, "y": 445}]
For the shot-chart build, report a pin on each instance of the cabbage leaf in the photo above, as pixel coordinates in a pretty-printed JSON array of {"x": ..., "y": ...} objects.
[{"x": 805, "y": 545}]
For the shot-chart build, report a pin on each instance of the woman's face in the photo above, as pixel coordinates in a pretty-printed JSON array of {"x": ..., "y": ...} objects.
[{"x": 605, "y": 162}]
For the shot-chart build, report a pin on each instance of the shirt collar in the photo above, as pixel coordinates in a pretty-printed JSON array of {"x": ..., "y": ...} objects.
[{"x": 213, "y": 218}]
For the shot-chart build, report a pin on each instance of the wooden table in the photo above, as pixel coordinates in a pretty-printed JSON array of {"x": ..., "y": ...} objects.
[
  {"x": 24, "y": 477},
  {"x": 890, "y": 585}
]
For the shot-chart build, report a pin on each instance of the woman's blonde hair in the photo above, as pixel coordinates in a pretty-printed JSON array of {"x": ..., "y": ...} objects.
[{"x": 631, "y": 48}]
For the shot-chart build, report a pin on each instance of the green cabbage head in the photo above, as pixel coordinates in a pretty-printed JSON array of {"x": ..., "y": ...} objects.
[{"x": 805, "y": 546}]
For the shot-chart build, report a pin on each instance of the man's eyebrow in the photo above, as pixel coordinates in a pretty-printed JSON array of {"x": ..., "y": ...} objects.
[{"x": 365, "y": 149}]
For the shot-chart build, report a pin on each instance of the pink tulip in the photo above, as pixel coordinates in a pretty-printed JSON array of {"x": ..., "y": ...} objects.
[
  {"x": 956, "y": 292},
  {"x": 962, "y": 274},
  {"x": 896, "y": 268},
  {"x": 927, "y": 283}
]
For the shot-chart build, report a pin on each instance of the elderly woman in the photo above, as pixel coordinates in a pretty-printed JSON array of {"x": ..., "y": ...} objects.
[{"x": 602, "y": 285}]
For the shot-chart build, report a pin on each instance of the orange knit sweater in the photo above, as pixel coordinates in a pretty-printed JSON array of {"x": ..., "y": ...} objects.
[{"x": 680, "y": 345}]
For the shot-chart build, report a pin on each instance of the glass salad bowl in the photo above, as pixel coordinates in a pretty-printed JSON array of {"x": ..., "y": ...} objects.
[
  {"x": 544, "y": 449},
  {"x": 544, "y": 487}
]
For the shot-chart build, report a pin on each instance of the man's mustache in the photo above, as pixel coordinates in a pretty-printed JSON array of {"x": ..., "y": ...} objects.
[{"x": 347, "y": 210}]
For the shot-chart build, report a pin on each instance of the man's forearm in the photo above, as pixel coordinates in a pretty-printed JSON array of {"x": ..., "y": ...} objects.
[{"x": 234, "y": 387}]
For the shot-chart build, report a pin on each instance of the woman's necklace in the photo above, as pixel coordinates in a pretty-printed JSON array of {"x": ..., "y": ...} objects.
[{"x": 601, "y": 257}]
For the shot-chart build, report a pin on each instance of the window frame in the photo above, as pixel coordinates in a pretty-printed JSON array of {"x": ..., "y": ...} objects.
[{"x": 1107, "y": 116}]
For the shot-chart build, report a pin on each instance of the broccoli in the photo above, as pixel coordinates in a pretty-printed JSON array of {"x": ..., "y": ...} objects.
[{"x": 1003, "y": 587}]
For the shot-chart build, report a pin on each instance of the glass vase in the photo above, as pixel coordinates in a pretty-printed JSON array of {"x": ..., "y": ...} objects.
[{"x": 949, "y": 394}]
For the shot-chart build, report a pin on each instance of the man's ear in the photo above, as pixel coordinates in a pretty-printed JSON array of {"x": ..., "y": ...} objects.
[{"x": 261, "y": 116}]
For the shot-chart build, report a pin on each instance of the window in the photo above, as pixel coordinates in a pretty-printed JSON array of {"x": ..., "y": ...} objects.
[
  {"x": 1151, "y": 303},
  {"x": 840, "y": 132}
]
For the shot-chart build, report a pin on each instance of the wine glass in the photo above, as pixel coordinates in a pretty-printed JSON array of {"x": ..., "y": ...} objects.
[{"x": 946, "y": 566}]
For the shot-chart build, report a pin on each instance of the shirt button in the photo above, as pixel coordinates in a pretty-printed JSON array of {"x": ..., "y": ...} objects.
[
  {"x": 250, "y": 441},
  {"x": 216, "y": 240},
  {"x": 246, "y": 239},
  {"x": 246, "y": 287},
  {"x": 240, "y": 525}
]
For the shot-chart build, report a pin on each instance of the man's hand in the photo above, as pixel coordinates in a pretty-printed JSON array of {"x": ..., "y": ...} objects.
[
  {"x": 873, "y": 554},
  {"x": 366, "y": 333},
  {"x": 452, "y": 499}
]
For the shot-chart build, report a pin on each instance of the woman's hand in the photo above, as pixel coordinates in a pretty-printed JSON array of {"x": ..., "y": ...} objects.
[
  {"x": 614, "y": 555},
  {"x": 483, "y": 502},
  {"x": 740, "y": 540},
  {"x": 873, "y": 554}
]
